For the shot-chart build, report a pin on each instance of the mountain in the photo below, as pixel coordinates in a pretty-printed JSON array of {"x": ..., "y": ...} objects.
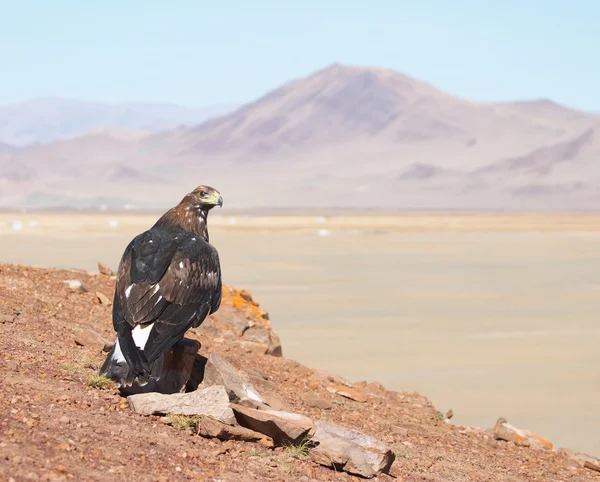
[
  {"x": 344, "y": 105},
  {"x": 342, "y": 136},
  {"x": 48, "y": 119}
]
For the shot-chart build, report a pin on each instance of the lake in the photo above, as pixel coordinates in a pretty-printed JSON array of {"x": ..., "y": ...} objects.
[{"x": 490, "y": 315}]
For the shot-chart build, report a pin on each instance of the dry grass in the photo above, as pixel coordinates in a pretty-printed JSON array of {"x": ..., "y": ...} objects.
[
  {"x": 183, "y": 422},
  {"x": 98, "y": 381}
]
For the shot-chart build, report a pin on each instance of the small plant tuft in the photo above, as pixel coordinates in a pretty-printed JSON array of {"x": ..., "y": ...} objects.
[
  {"x": 89, "y": 362},
  {"x": 73, "y": 369},
  {"x": 300, "y": 451},
  {"x": 183, "y": 422},
  {"x": 440, "y": 416},
  {"x": 254, "y": 452},
  {"x": 98, "y": 381}
]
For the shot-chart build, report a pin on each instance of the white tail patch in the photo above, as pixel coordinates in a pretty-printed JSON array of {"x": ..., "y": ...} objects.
[
  {"x": 118, "y": 354},
  {"x": 140, "y": 335}
]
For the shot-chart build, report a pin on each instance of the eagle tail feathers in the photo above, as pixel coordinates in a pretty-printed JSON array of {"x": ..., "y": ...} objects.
[{"x": 117, "y": 368}]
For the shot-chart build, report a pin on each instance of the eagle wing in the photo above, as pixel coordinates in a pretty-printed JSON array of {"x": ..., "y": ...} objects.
[{"x": 167, "y": 284}]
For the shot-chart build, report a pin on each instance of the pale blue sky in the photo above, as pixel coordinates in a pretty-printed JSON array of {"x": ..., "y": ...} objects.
[{"x": 196, "y": 53}]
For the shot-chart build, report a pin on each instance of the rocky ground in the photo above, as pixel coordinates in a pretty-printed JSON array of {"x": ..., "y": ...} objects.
[{"x": 60, "y": 421}]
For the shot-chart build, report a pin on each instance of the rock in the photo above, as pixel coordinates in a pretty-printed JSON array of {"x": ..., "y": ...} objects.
[
  {"x": 92, "y": 339},
  {"x": 324, "y": 375},
  {"x": 211, "y": 401},
  {"x": 7, "y": 318},
  {"x": 274, "y": 401},
  {"x": 257, "y": 334},
  {"x": 375, "y": 390},
  {"x": 592, "y": 464},
  {"x": 316, "y": 402},
  {"x": 75, "y": 285},
  {"x": 274, "y": 348},
  {"x": 449, "y": 414},
  {"x": 104, "y": 300},
  {"x": 266, "y": 442},
  {"x": 105, "y": 269},
  {"x": 178, "y": 365},
  {"x": 227, "y": 319},
  {"x": 246, "y": 296},
  {"x": 524, "y": 438},
  {"x": 280, "y": 426},
  {"x": 219, "y": 371},
  {"x": 263, "y": 337},
  {"x": 350, "y": 393},
  {"x": 583, "y": 460},
  {"x": 253, "y": 347},
  {"x": 211, "y": 428},
  {"x": 197, "y": 374},
  {"x": 351, "y": 451}
]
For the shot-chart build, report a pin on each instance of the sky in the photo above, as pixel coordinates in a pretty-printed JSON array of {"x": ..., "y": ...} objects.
[{"x": 198, "y": 53}]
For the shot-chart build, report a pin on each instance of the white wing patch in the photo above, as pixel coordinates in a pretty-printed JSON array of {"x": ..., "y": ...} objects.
[
  {"x": 128, "y": 291},
  {"x": 181, "y": 264},
  {"x": 118, "y": 354},
  {"x": 140, "y": 335}
]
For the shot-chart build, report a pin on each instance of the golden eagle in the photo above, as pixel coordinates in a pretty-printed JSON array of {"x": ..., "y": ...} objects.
[{"x": 169, "y": 280}]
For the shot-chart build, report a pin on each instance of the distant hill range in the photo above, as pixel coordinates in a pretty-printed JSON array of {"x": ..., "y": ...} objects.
[{"x": 342, "y": 137}]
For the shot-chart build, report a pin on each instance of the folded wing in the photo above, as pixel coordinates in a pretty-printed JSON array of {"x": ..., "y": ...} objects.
[{"x": 166, "y": 284}]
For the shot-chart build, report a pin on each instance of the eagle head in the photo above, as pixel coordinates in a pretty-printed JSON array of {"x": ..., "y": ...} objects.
[{"x": 205, "y": 198}]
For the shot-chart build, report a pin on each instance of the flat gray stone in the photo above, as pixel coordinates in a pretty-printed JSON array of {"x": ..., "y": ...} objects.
[
  {"x": 220, "y": 371},
  {"x": 351, "y": 451},
  {"x": 212, "y": 402}
]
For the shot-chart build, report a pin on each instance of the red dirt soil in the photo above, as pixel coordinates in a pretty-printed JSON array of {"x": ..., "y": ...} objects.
[{"x": 55, "y": 426}]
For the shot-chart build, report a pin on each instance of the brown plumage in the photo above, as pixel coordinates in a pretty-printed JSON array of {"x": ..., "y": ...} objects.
[{"x": 169, "y": 280}]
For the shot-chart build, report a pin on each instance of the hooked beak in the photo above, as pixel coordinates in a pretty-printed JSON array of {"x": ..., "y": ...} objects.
[{"x": 216, "y": 200}]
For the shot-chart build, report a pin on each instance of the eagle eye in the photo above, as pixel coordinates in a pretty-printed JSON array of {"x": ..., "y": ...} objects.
[{"x": 203, "y": 193}]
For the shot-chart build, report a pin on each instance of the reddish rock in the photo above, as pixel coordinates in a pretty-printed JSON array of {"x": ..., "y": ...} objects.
[
  {"x": 105, "y": 269},
  {"x": 375, "y": 390},
  {"x": 280, "y": 426},
  {"x": 7, "y": 318},
  {"x": 104, "y": 300},
  {"x": 92, "y": 339},
  {"x": 524, "y": 438},
  {"x": 212, "y": 428},
  {"x": 347, "y": 392},
  {"x": 316, "y": 402},
  {"x": 592, "y": 464},
  {"x": 583, "y": 460},
  {"x": 324, "y": 375}
]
